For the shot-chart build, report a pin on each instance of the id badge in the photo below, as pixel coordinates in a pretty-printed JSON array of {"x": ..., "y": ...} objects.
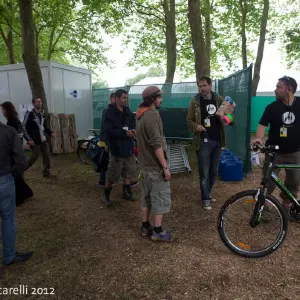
[
  {"x": 207, "y": 122},
  {"x": 125, "y": 128},
  {"x": 283, "y": 132},
  {"x": 205, "y": 140}
]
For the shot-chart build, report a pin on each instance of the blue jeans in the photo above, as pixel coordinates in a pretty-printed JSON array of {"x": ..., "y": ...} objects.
[
  {"x": 7, "y": 213},
  {"x": 208, "y": 161}
]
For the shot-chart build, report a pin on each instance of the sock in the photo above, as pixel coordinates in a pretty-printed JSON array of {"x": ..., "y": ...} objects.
[
  {"x": 158, "y": 229},
  {"x": 146, "y": 225}
]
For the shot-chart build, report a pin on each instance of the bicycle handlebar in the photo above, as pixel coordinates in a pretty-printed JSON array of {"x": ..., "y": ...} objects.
[{"x": 265, "y": 149}]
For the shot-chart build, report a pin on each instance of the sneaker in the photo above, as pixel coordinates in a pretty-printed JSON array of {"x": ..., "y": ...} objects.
[
  {"x": 164, "y": 236},
  {"x": 146, "y": 232},
  {"x": 206, "y": 205},
  {"x": 20, "y": 257},
  {"x": 213, "y": 200}
]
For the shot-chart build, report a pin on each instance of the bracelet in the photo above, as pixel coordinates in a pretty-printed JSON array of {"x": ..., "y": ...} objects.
[{"x": 165, "y": 168}]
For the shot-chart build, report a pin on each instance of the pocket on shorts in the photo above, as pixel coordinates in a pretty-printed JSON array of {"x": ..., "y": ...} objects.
[{"x": 161, "y": 193}]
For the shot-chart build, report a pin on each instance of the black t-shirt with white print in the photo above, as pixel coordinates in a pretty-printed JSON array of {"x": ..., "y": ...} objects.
[
  {"x": 208, "y": 112},
  {"x": 284, "y": 123}
]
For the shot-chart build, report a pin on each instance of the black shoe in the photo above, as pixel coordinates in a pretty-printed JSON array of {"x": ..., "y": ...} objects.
[
  {"x": 127, "y": 194},
  {"x": 20, "y": 257},
  {"x": 107, "y": 201}
]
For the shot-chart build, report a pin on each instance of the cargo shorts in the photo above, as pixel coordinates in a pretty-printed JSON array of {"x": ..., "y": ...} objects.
[
  {"x": 120, "y": 165},
  {"x": 156, "y": 193}
]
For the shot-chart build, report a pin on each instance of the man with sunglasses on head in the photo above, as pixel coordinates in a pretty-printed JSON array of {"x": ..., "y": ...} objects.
[{"x": 283, "y": 116}]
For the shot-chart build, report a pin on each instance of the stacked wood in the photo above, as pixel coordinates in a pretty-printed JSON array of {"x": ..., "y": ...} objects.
[{"x": 64, "y": 127}]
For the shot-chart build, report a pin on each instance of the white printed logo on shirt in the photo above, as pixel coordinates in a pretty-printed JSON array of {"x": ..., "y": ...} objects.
[
  {"x": 211, "y": 109},
  {"x": 288, "y": 118}
]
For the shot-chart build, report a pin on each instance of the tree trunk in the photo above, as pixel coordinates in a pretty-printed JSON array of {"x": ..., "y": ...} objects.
[
  {"x": 206, "y": 14},
  {"x": 10, "y": 47},
  {"x": 9, "y": 43},
  {"x": 171, "y": 40},
  {"x": 244, "y": 11},
  {"x": 261, "y": 45},
  {"x": 30, "y": 57},
  {"x": 201, "y": 57}
]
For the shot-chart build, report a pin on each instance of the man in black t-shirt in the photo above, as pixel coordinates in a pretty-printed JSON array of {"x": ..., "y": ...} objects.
[
  {"x": 209, "y": 136},
  {"x": 283, "y": 116}
]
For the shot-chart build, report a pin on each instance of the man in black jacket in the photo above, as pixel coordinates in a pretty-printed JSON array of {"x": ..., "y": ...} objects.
[
  {"x": 12, "y": 161},
  {"x": 119, "y": 128},
  {"x": 35, "y": 128}
]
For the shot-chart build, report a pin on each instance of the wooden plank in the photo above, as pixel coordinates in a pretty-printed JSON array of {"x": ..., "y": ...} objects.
[
  {"x": 56, "y": 142},
  {"x": 64, "y": 127}
]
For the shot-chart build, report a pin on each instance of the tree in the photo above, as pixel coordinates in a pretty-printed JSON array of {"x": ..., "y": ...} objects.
[
  {"x": 64, "y": 30},
  {"x": 261, "y": 45},
  {"x": 202, "y": 66},
  {"x": 30, "y": 56},
  {"x": 8, "y": 19},
  {"x": 71, "y": 29},
  {"x": 288, "y": 19},
  {"x": 100, "y": 84},
  {"x": 152, "y": 72},
  {"x": 154, "y": 33}
]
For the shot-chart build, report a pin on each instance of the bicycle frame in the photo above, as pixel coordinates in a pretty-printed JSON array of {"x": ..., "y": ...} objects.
[
  {"x": 262, "y": 192},
  {"x": 271, "y": 175}
]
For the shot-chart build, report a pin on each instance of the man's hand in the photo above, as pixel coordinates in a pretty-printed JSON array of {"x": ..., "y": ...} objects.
[
  {"x": 130, "y": 134},
  {"x": 133, "y": 131},
  {"x": 53, "y": 134},
  {"x": 167, "y": 174},
  {"x": 31, "y": 143},
  {"x": 105, "y": 148},
  {"x": 256, "y": 141},
  {"x": 200, "y": 128}
]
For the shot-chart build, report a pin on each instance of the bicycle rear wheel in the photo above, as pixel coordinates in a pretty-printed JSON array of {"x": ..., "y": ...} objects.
[
  {"x": 236, "y": 232},
  {"x": 83, "y": 152}
]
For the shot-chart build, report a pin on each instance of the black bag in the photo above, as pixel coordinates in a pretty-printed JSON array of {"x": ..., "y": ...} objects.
[
  {"x": 23, "y": 191},
  {"x": 101, "y": 160}
]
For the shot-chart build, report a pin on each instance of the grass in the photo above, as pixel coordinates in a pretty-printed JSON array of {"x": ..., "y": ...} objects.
[{"x": 85, "y": 251}]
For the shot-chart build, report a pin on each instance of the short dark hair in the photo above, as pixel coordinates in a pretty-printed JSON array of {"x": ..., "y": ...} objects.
[
  {"x": 34, "y": 98},
  {"x": 205, "y": 78},
  {"x": 120, "y": 92},
  {"x": 112, "y": 95},
  {"x": 290, "y": 82}
]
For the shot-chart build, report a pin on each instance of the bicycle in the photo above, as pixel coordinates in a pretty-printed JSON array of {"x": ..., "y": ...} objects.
[
  {"x": 258, "y": 220},
  {"x": 88, "y": 148}
]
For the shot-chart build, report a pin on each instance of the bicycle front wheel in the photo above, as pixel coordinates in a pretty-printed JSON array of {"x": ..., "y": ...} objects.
[
  {"x": 236, "y": 232},
  {"x": 83, "y": 152}
]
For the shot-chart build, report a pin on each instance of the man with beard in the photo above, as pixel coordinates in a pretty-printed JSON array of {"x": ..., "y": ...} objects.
[
  {"x": 209, "y": 137},
  {"x": 283, "y": 116},
  {"x": 35, "y": 130},
  {"x": 155, "y": 173},
  {"x": 119, "y": 129}
]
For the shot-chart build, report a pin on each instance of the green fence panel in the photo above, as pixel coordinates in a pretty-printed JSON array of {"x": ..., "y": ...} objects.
[
  {"x": 258, "y": 105},
  {"x": 238, "y": 87}
]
